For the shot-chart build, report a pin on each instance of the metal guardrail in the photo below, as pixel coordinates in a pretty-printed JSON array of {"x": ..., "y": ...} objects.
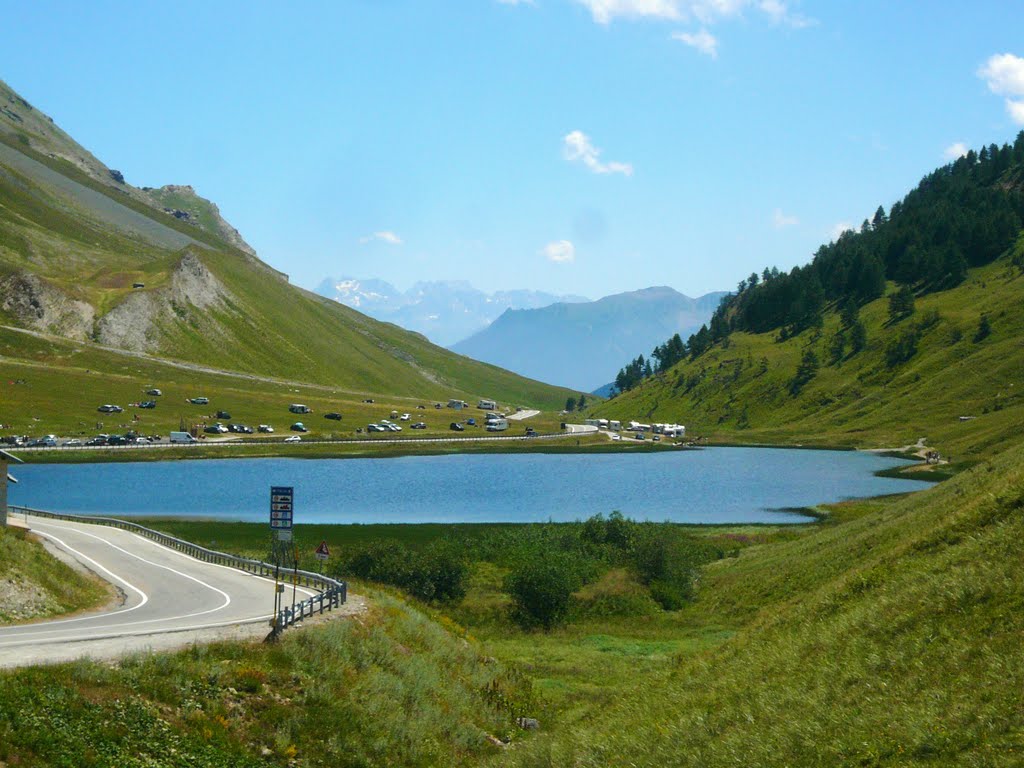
[{"x": 331, "y": 593}]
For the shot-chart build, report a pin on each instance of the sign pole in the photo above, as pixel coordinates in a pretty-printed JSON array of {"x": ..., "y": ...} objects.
[{"x": 281, "y": 511}]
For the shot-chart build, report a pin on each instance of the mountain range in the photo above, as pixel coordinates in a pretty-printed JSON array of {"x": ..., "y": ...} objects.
[
  {"x": 583, "y": 345},
  {"x": 445, "y": 311}
]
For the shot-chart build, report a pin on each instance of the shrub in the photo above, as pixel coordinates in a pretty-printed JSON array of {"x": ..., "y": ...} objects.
[{"x": 541, "y": 587}]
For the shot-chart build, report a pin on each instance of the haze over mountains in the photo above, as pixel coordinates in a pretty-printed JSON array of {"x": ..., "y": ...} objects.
[
  {"x": 582, "y": 346},
  {"x": 445, "y": 311}
]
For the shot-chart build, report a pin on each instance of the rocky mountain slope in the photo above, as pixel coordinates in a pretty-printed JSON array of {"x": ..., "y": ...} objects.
[{"x": 86, "y": 256}]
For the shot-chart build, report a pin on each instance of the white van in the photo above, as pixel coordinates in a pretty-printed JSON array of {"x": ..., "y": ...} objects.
[{"x": 182, "y": 437}]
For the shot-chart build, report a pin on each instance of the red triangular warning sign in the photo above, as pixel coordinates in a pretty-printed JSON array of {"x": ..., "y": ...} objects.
[{"x": 323, "y": 550}]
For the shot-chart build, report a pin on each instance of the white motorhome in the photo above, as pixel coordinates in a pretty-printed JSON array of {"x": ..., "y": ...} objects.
[
  {"x": 487, "y": 405},
  {"x": 497, "y": 425},
  {"x": 615, "y": 425}
]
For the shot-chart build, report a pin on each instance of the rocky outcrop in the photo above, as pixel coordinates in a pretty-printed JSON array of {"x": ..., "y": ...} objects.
[
  {"x": 193, "y": 213},
  {"x": 138, "y": 322},
  {"x": 34, "y": 303}
]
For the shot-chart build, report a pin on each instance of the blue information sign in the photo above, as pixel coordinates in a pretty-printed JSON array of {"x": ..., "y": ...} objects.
[{"x": 281, "y": 507}]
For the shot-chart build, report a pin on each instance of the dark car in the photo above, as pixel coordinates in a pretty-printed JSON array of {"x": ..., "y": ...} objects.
[
  {"x": 154, "y": 392},
  {"x": 96, "y": 441},
  {"x": 110, "y": 409},
  {"x": 456, "y": 427},
  {"x": 147, "y": 404},
  {"x": 531, "y": 432},
  {"x": 223, "y": 415},
  {"x": 236, "y": 428},
  {"x": 418, "y": 425},
  {"x": 117, "y": 440},
  {"x": 298, "y": 426},
  {"x": 333, "y": 415},
  {"x": 471, "y": 422}
]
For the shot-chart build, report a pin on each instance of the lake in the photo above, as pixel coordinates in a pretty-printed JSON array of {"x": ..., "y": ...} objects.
[{"x": 713, "y": 485}]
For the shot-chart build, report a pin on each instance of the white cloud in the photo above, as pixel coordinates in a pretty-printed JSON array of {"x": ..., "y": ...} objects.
[
  {"x": 1016, "y": 110},
  {"x": 781, "y": 220},
  {"x": 838, "y": 229},
  {"x": 779, "y": 13},
  {"x": 954, "y": 151},
  {"x": 578, "y": 148},
  {"x": 559, "y": 251},
  {"x": 703, "y": 41},
  {"x": 385, "y": 237},
  {"x": 703, "y": 11},
  {"x": 1004, "y": 75}
]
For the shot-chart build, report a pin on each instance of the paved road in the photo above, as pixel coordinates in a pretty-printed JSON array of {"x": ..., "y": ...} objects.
[{"x": 164, "y": 593}]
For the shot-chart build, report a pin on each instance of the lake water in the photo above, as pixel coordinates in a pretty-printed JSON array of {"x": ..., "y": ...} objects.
[{"x": 714, "y": 485}]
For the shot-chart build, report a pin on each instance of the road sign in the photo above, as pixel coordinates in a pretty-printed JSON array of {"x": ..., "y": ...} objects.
[
  {"x": 281, "y": 507},
  {"x": 322, "y": 552}
]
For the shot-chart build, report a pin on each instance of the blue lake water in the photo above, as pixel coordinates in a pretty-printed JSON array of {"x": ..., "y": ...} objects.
[{"x": 714, "y": 485}]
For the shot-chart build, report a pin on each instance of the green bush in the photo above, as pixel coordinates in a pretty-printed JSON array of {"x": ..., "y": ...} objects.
[
  {"x": 541, "y": 587},
  {"x": 438, "y": 572}
]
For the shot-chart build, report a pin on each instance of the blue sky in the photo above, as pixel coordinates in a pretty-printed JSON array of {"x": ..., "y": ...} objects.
[{"x": 583, "y": 146}]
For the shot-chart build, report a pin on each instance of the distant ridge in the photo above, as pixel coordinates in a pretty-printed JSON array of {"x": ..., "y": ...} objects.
[
  {"x": 445, "y": 311},
  {"x": 582, "y": 346}
]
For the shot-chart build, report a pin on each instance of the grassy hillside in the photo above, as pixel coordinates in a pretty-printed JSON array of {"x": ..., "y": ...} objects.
[
  {"x": 36, "y": 586},
  {"x": 887, "y": 636},
  {"x": 86, "y": 256},
  {"x": 391, "y": 687},
  {"x": 742, "y": 390}
]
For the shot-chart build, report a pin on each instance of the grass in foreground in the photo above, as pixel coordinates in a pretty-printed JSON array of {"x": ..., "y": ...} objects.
[
  {"x": 34, "y": 585},
  {"x": 389, "y": 688}
]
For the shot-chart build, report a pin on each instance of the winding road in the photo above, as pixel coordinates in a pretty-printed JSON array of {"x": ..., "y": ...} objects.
[{"x": 169, "y": 599}]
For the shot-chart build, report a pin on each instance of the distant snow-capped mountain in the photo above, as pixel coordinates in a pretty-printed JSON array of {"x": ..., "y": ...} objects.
[{"x": 443, "y": 311}]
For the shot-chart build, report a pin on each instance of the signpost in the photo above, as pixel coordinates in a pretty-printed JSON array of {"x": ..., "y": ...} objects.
[
  {"x": 322, "y": 553},
  {"x": 282, "y": 508}
]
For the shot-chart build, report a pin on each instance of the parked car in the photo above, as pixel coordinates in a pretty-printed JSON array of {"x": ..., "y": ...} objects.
[
  {"x": 293, "y": 439},
  {"x": 419, "y": 425},
  {"x": 531, "y": 432},
  {"x": 394, "y": 427},
  {"x": 98, "y": 440},
  {"x": 107, "y": 408},
  {"x": 333, "y": 415},
  {"x": 298, "y": 426},
  {"x": 147, "y": 404},
  {"x": 376, "y": 428},
  {"x": 199, "y": 400},
  {"x": 368, "y": 400},
  {"x": 235, "y": 428},
  {"x": 404, "y": 417},
  {"x": 215, "y": 429},
  {"x": 223, "y": 415},
  {"x": 471, "y": 422},
  {"x": 74, "y": 441},
  {"x": 265, "y": 428},
  {"x": 117, "y": 440},
  {"x": 456, "y": 427},
  {"x": 154, "y": 392}
]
